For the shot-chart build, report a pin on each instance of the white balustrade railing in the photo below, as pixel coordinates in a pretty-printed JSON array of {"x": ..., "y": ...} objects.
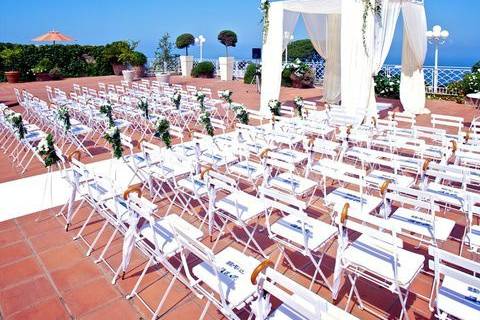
[{"x": 446, "y": 75}]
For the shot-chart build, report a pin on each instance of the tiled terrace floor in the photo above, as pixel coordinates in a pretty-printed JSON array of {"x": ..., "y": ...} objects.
[{"x": 44, "y": 274}]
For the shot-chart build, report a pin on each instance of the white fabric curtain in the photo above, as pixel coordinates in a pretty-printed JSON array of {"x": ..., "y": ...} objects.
[
  {"x": 384, "y": 31},
  {"x": 290, "y": 20},
  {"x": 357, "y": 66},
  {"x": 273, "y": 48},
  {"x": 412, "y": 84},
  {"x": 316, "y": 25},
  {"x": 313, "y": 6}
]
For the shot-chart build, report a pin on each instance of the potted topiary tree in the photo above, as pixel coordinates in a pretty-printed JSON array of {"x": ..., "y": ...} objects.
[
  {"x": 112, "y": 53},
  {"x": 138, "y": 62},
  {"x": 228, "y": 39},
  {"x": 9, "y": 59},
  {"x": 163, "y": 59},
  {"x": 129, "y": 57},
  {"x": 183, "y": 42}
]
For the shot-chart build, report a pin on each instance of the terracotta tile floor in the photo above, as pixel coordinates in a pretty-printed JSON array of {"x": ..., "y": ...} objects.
[{"x": 44, "y": 274}]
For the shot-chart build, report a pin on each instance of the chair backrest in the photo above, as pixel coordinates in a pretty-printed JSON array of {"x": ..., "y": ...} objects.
[
  {"x": 402, "y": 118},
  {"x": 448, "y": 121},
  {"x": 303, "y": 303}
]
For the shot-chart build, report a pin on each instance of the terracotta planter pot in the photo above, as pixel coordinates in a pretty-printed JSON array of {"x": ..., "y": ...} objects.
[
  {"x": 12, "y": 76},
  {"x": 139, "y": 71},
  {"x": 118, "y": 68},
  {"x": 43, "y": 76}
]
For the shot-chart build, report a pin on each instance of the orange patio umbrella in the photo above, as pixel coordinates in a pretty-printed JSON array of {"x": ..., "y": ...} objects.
[{"x": 53, "y": 36}]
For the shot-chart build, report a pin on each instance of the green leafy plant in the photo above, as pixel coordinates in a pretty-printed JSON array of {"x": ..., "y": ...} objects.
[
  {"x": 143, "y": 105},
  {"x": 107, "y": 111},
  {"x": 184, "y": 41},
  {"x": 476, "y": 67},
  {"x": 163, "y": 54},
  {"x": 64, "y": 116},
  {"x": 114, "y": 50},
  {"x": 200, "y": 99},
  {"x": 112, "y": 135},
  {"x": 176, "y": 99},
  {"x": 228, "y": 39},
  {"x": 10, "y": 57},
  {"x": 46, "y": 149},
  {"x": 241, "y": 113},
  {"x": 162, "y": 127},
  {"x": 298, "y": 74},
  {"x": 274, "y": 106},
  {"x": 387, "y": 86},
  {"x": 207, "y": 123},
  {"x": 227, "y": 96},
  {"x": 44, "y": 65},
  {"x": 250, "y": 72},
  {"x": 55, "y": 73},
  {"x": 302, "y": 49},
  {"x": 265, "y": 8},
  {"x": 204, "y": 69},
  {"x": 16, "y": 120},
  {"x": 298, "y": 104}
]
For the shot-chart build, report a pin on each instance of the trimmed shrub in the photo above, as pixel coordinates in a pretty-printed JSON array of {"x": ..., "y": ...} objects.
[
  {"x": 203, "y": 69},
  {"x": 114, "y": 50},
  {"x": 476, "y": 67},
  {"x": 73, "y": 60},
  {"x": 228, "y": 39},
  {"x": 184, "y": 41},
  {"x": 249, "y": 76}
]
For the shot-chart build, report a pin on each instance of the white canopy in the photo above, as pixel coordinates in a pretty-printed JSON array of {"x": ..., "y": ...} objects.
[{"x": 335, "y": 29}]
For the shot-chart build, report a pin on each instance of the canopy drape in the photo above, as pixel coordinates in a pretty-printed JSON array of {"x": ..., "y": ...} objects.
[{"x": 335, "y": 28}]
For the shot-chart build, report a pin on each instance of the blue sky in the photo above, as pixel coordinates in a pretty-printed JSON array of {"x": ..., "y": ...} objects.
[{"x": 102, "y": 21}]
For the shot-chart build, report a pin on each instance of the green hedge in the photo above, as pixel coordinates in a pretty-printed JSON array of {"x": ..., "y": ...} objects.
[
  {"x": 204, "y": 69},
  {"x": 249, "y": 76},
  {"x": 73, "y": 60}
]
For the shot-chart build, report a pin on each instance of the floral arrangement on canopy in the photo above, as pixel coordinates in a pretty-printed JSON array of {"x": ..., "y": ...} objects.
[
  {"x": 265, "y": 8},
  {"x": 274, "y": 106},
  {"x": 374, "y": 7},
  {"x": 162, "y": 130},
  {"x": 298, "y": 103},
  {"x": 64, "y": 117},
  {"x": 201, "y": 99},
  {"x": 176, "y": 99},
  {"x": 16, "y": 121},
  {"x": 227, "y": 96},
  {"x": 241, "y": 113},
  {"x": 112, "y": 135},
  {"x": 107, "y": 111},
  {"x": 207, "y": 123},
  {"x": 143, "y": 106},
  {"x": 46, "y": 150}
]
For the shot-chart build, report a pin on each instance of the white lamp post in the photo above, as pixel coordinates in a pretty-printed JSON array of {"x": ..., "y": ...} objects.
[
  {"x": 200, "y": 40},
  {"x": 436, "y": 36},
  {"x": 288, "y": 38}
]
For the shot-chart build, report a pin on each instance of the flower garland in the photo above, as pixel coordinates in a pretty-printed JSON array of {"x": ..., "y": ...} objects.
[
  {"x": 46, "y": 150},
  {"x": 16, "y": 120},
  {"x": 376, "y": 9},
  {"x": 112, "y": 135},
  {"x": 107, "y": 111},
  {"x": 162, "y": 127},
  {"x": 176, "y": 99},
  {"x": 227, "y": 96},
  {"x": 64, "y": 116},
  {"x": 201, "y": 99},
  {"x": 241, "y": 113},
  {"x": 265, "y": 8},
  {"x": 207, "y": 123},
  {"x": 274, "y": 106},
  {"x": 299, "y": 106},
  {"x": 143, "y": 105}
]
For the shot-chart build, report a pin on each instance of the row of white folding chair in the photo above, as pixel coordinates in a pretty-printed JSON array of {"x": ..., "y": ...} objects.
[
  {"x": 456, "y": 286},
  {"x": 376, "y": 256}
]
